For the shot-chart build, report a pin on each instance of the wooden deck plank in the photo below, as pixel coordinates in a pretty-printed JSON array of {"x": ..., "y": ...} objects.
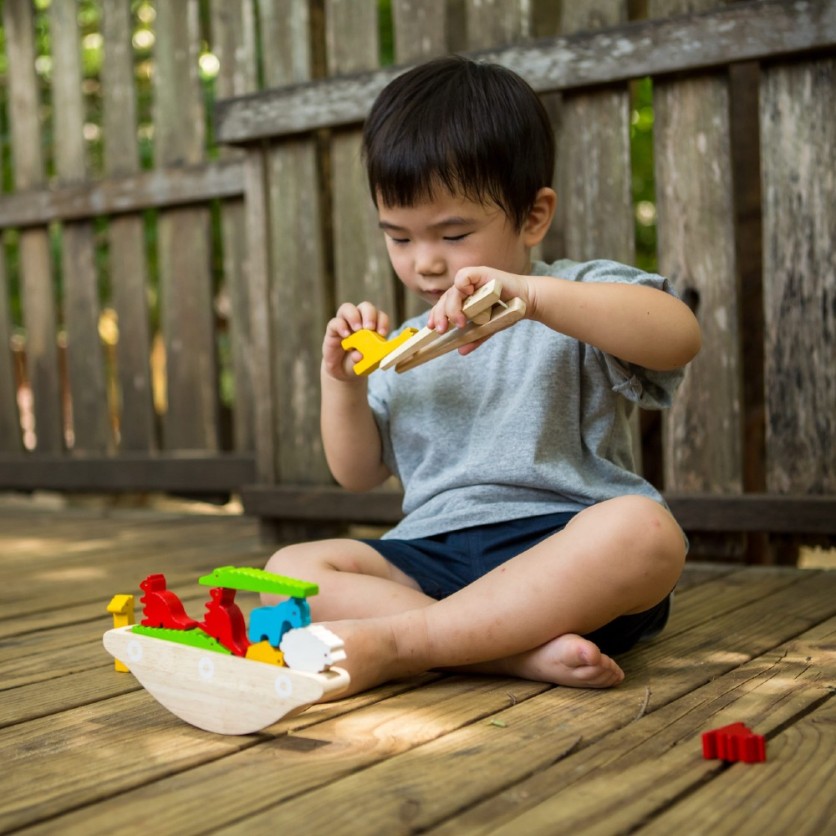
[{"x": 450, "y": 753}]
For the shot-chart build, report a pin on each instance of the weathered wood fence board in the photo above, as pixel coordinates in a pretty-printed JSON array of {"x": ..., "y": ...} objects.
[
  {"x": 594, "y": 155},
  {"x": 798, "y": 128},
  {"x": 81, "y": 294},
  {"x": 653, "y": 47},
  {"x": 191, "y": 416},
  {"x": 233, "y": 27},
  {"x": 36, "y": 267},
  {"x": 126, "y": 233},
  {"x": 695, "y": 225}
]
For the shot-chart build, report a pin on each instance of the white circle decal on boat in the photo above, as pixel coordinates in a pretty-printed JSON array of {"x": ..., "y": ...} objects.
[
  {"x": 134, "y": 650},
  {"x": 284, "y": 686},
  {"x": 206, "y": 668}
]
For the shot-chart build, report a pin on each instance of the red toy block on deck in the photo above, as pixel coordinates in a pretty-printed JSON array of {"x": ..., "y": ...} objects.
[
  {"x": 162, "y": 608},
  {"x": 225, "y": 622},
  {"x": 736, "y": 742}
]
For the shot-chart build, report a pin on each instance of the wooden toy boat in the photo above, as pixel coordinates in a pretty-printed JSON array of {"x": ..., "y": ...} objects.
[
  {"x": 217, "y": 692},
  {"x": 218, "y": 675}
]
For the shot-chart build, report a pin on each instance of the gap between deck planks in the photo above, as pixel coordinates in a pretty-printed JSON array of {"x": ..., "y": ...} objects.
[{"x": 395, "y": 742}]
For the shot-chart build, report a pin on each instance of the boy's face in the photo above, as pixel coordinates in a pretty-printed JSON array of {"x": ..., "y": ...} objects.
[{"x": 430, "y": 242}]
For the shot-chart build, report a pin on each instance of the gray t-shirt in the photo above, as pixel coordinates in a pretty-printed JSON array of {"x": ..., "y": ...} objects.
[{"x": 533, "y": 422}]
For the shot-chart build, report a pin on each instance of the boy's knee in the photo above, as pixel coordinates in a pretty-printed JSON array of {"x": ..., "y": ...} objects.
[
  {"x": 285, "y": 559},
  {"x": 654, "y": 533}
]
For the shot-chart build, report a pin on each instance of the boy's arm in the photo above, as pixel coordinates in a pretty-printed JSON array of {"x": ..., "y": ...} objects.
[
  {"x": 636, "y": 323},
  {"x": 350, "y": 436}
]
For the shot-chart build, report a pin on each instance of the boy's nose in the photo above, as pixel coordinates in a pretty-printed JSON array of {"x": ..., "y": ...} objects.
[{"x": 428, "y": 262}]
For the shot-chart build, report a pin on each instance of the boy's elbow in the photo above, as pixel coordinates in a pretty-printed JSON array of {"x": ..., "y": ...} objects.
[
  {"x": 692, "y": 342},
  {"x": 677, "y": 349},
  {"x": 360, "y": 481}
]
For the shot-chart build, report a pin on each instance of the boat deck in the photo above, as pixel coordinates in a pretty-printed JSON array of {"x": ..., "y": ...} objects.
[{"x": 86, "y": 750}]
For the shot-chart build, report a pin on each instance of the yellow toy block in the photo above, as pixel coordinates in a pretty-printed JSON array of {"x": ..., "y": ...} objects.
[
  {"x": 122, "y": 607},
  {"x": 265, "y": 652},
  {"x": 374, "y": 347}
]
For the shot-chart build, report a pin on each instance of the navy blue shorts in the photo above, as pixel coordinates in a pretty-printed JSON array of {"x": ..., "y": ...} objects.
[{"x": 444, "y": 563}]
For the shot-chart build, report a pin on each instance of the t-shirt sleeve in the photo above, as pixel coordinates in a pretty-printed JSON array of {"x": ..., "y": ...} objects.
[{"x": 647, "y": 388}]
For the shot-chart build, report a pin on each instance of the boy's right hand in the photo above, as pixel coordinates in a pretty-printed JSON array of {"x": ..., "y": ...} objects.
[{"x": 336, "y": 361}]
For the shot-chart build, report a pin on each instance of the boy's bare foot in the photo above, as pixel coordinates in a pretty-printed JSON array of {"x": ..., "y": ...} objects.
[{"x": 571, "y": 660}]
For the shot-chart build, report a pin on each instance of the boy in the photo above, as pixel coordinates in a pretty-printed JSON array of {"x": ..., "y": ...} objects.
[{"x": 529, "y": 546}]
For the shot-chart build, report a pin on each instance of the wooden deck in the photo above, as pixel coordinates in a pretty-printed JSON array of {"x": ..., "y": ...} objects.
[{"x": 85, "y": 750}]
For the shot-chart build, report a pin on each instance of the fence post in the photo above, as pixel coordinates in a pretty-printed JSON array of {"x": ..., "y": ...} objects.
[
  {"x": 35, "y": 262},
  {"x": 85, "y": 358},
  {"x": 702, "y": 436}
]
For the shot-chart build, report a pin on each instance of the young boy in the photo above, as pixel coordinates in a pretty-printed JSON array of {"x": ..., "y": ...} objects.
[{"x": 529, "y": 546}]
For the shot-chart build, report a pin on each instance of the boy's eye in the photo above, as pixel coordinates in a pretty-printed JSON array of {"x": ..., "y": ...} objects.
[
  {"x": 456, "y": 237},
  {"x": 398, "y": 240}
]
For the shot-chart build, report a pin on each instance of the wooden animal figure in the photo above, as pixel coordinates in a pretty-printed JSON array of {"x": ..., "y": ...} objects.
[
  {"x": 312, "y": 649},
  {"x": 225, "y": 622},
  {"x": 374, "y": 347},
  {"x": 162, "y": 608},
  {"x": 271, "y": 623}
]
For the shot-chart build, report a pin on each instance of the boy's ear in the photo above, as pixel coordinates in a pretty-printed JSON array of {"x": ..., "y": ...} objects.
[{"x": 539, "y": 217}]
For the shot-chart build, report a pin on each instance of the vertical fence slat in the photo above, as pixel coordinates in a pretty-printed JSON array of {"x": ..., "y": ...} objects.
[
  {"x": 360, "y": 261},
  {"x": 420, "y": 29},
  {"x": 702, "y": 446},
  {"x": 126, "y": 234},
  {"x": 233, "y": 43},
  {"x": 593, "y": 161},
  {"x": 594, "y": 155},
  {"x": 798, "y": 139},
  {"x": 186, "y": 292},
  {"x": 420, "y": 34},
  {"x": 494, "y": 22},
  {"x": 10, "y": 436},
  {"x": 80, "y": 285},
  {"x": 264, "y": 358},
  {"x": 35, "y": 264},
  {"x": 298, "y": 301}
]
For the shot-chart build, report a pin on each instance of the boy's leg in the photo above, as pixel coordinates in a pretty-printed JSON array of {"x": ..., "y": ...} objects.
[
  {"x": 615, "y": 558},
  {"x": 619, "y": 557},
  {"x": 355, "y": 581}
]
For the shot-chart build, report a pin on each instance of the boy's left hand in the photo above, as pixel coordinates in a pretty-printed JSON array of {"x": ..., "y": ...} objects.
[{"x": 447, "y": 312}]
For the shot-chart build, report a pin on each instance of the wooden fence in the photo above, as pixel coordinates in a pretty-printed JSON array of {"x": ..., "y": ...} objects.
[
  {"x": 744, "y": 139},
  {"x": 95, "y": 422}
]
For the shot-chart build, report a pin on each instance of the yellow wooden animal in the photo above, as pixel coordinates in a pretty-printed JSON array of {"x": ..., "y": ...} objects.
[
  {"x": 374, "y": 347},
  {"x": 122, "y": 608}
]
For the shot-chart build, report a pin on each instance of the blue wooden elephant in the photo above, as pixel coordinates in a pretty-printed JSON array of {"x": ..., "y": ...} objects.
[{"x": 271, "y": 623}]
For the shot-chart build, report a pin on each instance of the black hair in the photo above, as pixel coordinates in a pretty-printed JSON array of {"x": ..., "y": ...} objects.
[{"x": 476, "y": 129}]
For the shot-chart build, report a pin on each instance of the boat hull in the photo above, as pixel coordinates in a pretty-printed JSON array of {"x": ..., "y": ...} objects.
[{"x": 216, "y": 692}]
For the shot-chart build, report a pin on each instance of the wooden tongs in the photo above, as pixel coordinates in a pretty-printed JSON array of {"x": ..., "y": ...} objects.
[{"x": 485, "y": 313}]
